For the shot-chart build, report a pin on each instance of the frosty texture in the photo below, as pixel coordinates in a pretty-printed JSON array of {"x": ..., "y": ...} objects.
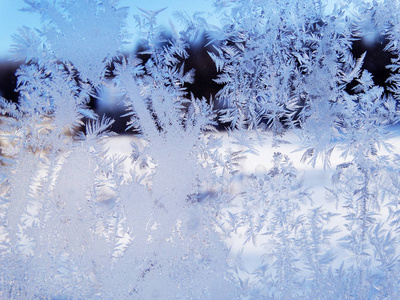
[{"x": 79, "y": 222}]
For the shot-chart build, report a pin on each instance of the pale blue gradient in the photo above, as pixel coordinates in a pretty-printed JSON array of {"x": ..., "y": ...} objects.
[{"x": 12, "y": 18}]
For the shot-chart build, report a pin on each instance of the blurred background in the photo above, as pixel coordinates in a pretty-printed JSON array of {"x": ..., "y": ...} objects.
[{"x": 13, "y": 17}]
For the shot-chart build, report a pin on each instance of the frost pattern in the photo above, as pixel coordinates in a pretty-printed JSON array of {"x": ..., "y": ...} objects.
[
  {"x": 74, "y": 28},
  {"x": 79, "y": 222}
]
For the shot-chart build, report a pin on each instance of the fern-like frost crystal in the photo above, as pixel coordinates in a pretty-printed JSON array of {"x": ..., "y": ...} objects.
[{"x": 174, "y": 208}]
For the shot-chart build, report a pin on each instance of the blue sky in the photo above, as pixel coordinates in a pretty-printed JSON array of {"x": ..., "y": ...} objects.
[{"x": 11, "y": 18}]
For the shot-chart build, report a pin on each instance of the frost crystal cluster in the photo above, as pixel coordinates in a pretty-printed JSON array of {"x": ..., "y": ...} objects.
[{"x": 80, "y": 222}]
